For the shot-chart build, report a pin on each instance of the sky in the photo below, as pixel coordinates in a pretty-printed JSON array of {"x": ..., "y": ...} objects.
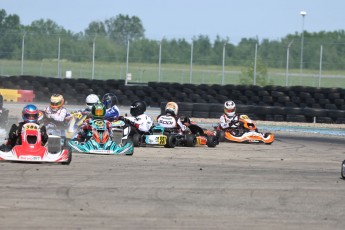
[{"x": 177, "y": 19}]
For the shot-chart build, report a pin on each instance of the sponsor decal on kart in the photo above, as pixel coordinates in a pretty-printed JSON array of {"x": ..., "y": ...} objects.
[
  {"x": 100, "y": 151},
  {"x": 201, "y": 140},
  {"x": 156, "y": 140},
  {"x": 29, "y": 158}
]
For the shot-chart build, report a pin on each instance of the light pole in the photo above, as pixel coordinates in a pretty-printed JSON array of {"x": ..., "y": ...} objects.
[
  {"x": 93, "y": 56},
  {"x": 287, "y": 63},
  {"x": 126, "y": 79},
  {"x": 303, "y": 13},
  {"x": 159, "y": 61},
  {"x": 59, "y": 49},
  {"x": 22, "y": 64},
  {"x": 191, "y": 64},
  {"x": 223, "y": 64}
]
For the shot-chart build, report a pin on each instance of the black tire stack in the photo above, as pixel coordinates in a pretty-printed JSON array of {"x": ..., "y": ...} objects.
[{"x": 276, "y": 103}]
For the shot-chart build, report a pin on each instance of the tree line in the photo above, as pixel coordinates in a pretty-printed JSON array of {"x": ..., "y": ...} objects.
[{"x": 41, "y": 39}]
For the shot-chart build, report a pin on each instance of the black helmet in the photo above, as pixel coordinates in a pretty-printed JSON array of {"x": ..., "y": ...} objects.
[
  {"x": 138, "y": 108},
  {"x": 109, "y": 100},
  {"x": 98, "y": 111}
]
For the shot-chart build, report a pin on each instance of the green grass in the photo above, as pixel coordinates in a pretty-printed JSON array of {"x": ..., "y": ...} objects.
[{"x": 143, "y": 73}]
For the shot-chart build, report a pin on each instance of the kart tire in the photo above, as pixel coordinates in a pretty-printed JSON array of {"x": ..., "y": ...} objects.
[
  {"x": 265, "y": 136},
  {"x": 221, "y": 135},
  {"x": 136, "y": 139},
  {"x": 342, "y": 171},
  {"x": 190, "y": 140},
  {"x": 171, "y": 141},
  {"x": 212, "y": 141},
  {"x": 69, "y": 156},
  {"x": 54, "y": 144}
]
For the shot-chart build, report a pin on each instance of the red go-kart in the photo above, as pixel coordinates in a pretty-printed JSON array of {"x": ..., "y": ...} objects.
[{"x": 31, "y": 149}]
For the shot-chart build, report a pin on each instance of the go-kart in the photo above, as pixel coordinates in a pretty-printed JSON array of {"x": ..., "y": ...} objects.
[
  {"x": 99, "y": 141},
  {"x": 203, "y": 136},
  {"x": 31, "y": 149},
  {"x": 75, "y": 120},
  {"x": 156, "y": 137},
  {"x": 53, "y": 127},
  {"x": 245, "y": 132}
]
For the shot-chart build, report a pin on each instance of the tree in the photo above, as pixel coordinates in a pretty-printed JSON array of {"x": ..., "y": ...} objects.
[
  {"x": 45, "y": 27},
  {"x": 247, "y": 76},
  {"x": 123, "y": 28},
  {"x": 217, "y": 51},
  {"x": 95, "y": 28},
  {"x": 10, "y": 40},
  {"x": 202, "y": 49}
]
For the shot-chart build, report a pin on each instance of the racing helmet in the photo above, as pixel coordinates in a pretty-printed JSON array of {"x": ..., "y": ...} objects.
[
  {"x": 30, "y": 113},
  {"x": 98, "y": 111},
  {"x": 230, "y": 108},
  {"x": 109, "y": 100},
  {"x": 56, "y": 101},
  {"x": 137, "y": 108},
  {"x": 90, "y": 100},
  {"x": 172, "y": 108}
]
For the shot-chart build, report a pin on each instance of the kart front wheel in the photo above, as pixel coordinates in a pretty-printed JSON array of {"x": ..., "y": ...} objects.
[
  {"x": 221, "y": 135},
  {"x": 136, "y": 139},
  {"x": 171, "y": 141},
  {"x": 190, "y": 140},
  {"x": 343, "y": 169},
  {"x": 212, "y": 141}
]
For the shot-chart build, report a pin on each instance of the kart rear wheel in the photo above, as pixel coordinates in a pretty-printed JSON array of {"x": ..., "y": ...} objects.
[
  {"x": 171, "y": 141},
  {"x": 136, "y": 139},
  {"x": 221, "y": 135},
  {"x": 54, "y": 144},
  {"x": 69, "y": 156},
  {"x": 190, "y": 140},
  {"x": 212, "y": 141},
  {"x": 267, "y": 135},
  {"x": 343, "y": 169}
]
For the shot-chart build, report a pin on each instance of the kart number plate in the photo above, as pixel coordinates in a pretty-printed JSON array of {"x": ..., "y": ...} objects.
[
  {"x": 31, "y": 127},
  {"x": 162, "y": 140}
]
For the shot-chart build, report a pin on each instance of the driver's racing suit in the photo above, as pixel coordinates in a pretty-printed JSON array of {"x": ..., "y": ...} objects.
[{"x": 171, "y": 122}]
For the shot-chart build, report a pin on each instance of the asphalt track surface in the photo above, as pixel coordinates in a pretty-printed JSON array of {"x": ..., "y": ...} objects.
[{"x": 292, "y": 184}]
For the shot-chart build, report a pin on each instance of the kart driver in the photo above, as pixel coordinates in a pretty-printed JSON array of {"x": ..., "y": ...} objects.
[
  {"x": 98, "y": 112},
  {"x": 170, "y": 120},
  {"x": 90, "y": 100},
  {"x": 139, "y": 119},
  {"x": 230, "y": 117},
  {"x": 112, "y": 111},
  {"x": 56, "y": 110},
  {"x": 30, "y": 114}
]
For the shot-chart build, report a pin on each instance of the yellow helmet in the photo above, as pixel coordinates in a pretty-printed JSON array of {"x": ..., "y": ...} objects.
[
  {"x": 56, "y": 101},
  {"x": 172, "y": 108}
]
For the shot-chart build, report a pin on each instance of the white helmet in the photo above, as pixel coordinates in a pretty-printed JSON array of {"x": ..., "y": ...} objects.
[
  {"x": 91, "y": 100},
  {"x": 171, "y": 108},
  {"x": 230, "y": 108}
]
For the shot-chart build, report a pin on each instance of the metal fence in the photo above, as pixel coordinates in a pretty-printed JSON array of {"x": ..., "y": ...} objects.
[{"x": 133, "y": 71}]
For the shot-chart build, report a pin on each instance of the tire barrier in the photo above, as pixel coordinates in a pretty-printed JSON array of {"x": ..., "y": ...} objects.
[
  {"x": 276, "y": 103},
  {"x": 265, "y": 113}
]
